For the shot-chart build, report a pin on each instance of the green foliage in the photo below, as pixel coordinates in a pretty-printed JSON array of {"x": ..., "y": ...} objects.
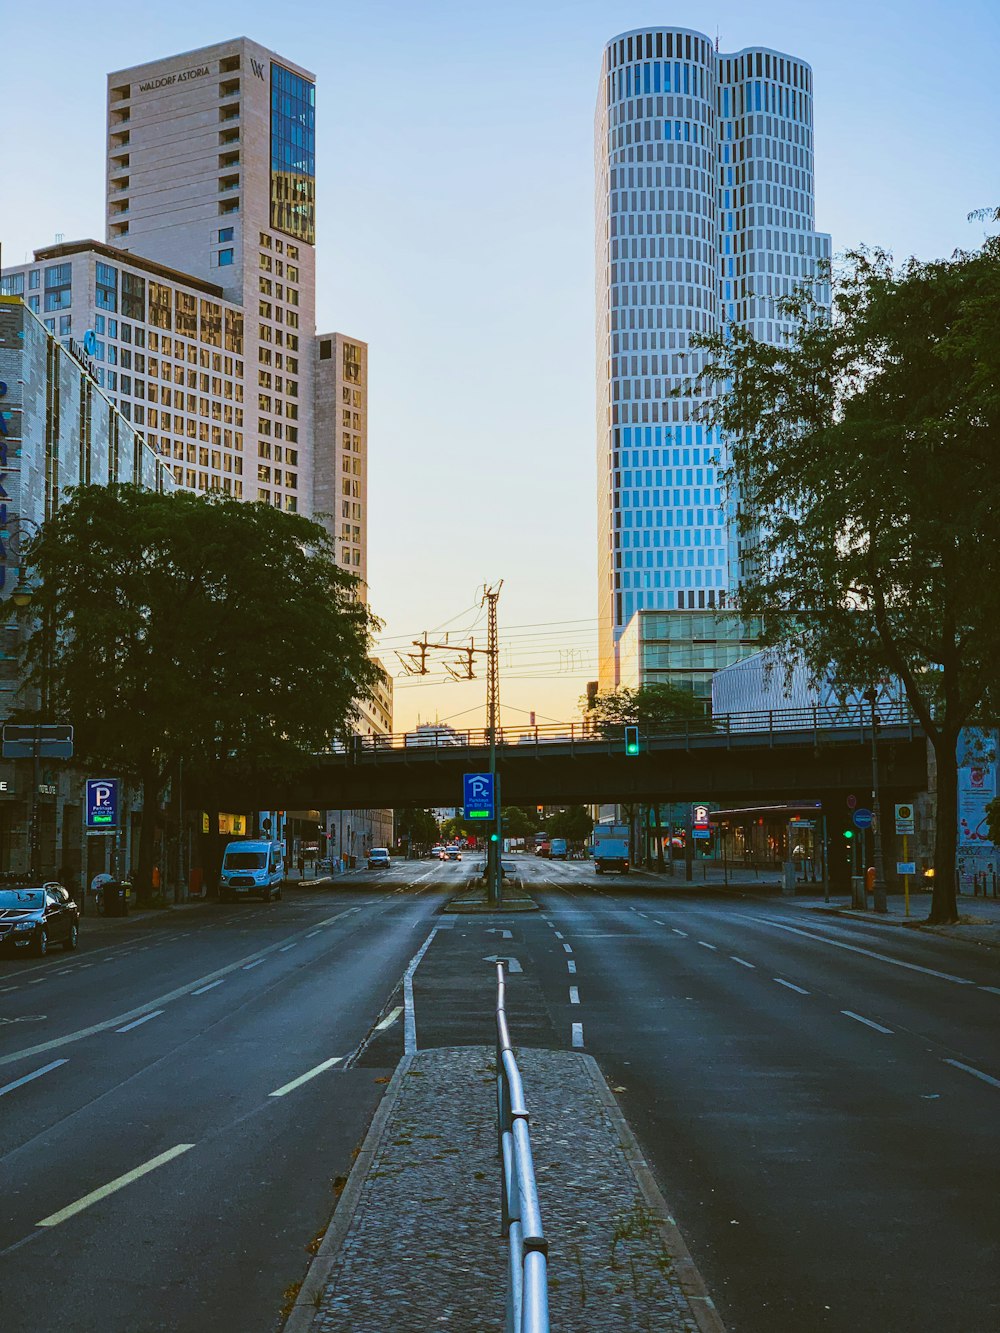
[
  {"x": 993, "y": 820},
  {"x": 574, "y": 824},
  {"x": 863, "y": 461},
  {"x": 519, "y": 822},
  {"x": 196, "y": 627},
  {"x": 419, "y": 826},
  {"x": 649, "y": 707}
]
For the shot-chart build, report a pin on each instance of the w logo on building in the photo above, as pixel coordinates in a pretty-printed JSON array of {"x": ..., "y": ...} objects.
[{"x": 258, "y": 67}]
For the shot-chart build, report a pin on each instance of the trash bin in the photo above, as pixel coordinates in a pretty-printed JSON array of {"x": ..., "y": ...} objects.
[{"x": 115, "y": 895}]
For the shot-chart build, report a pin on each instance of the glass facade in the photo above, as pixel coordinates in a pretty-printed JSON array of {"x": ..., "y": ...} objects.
[
  {"x": 704, "y": 218},
  {"x": 293, "y": 154},
  {"x": 683, "y": 648}
]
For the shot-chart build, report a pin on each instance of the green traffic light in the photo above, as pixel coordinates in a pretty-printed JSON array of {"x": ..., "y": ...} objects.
[
  {"x": 848, "y": 833},
  {"x": 494, "y": 838}
]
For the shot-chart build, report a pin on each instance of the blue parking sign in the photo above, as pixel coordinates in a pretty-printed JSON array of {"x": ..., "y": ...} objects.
[
  {"x": 102, "y": 803},
  {"x": 478, "y": 795}
]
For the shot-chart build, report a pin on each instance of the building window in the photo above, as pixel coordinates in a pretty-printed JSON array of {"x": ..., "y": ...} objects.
[
  {"x": 352, "y": 363},
  {"x": 33, "y": 304},
  {"x": 59, "y": 287},
  {"x": 133, "y": 296},
  {"x": 226, "y": 256},
  {"x": 12, "y": 285},
  {"x": 186, "y": 314},
  {"x": 159, "y": 305},
  {"x": 107, "y": 287},
  {"x": 226, "y": 234},
  {"x": 293, "y": 154},
  {"x": 65, "y": 325},
  {"x": 326, "y": 350},
  {"x": 34, "y": 280}
]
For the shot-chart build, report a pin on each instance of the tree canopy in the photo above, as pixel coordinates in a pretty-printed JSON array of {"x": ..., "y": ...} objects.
[
  {"x": 862, "y": 464},
  {"x": 170, "y": 626},
  {"x": 649, "y": 707},
  {"x": 574, "y": 824}
]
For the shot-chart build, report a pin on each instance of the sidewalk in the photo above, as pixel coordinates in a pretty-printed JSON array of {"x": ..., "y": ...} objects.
[{"x": 415, "y": 1241}]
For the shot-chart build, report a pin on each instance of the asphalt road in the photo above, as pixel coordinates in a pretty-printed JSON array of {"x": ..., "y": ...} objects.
[
  {"x": 162, "y": 1166},
  {"x": 817, "y": 1096}
]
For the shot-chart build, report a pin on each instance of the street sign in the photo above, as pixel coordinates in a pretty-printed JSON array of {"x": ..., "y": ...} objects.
[
  {"x": 904, "y": 820},
  {"x": 700, "y": 833},
  {"x": 906, "y": 867},
  {"x": 699, "y": 814},
  {"x": 862, "y": 818},
  {"x": 44, "y": 741},
  {"x": 479, "y": 796},
  {"x": 102, "y": 804}
]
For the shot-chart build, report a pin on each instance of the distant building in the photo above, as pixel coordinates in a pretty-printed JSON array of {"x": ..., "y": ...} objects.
[
  {"x": 57, "y": 429},
  {"x": 704, "y": 217},
  {"x": 682, "y": 648}
]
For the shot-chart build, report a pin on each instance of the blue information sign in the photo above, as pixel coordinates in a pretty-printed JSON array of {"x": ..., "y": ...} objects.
[
  {"x": 863, "y": 819},
  {"x": 102, "y": 803},
  {"x": 479, "y": 796}
]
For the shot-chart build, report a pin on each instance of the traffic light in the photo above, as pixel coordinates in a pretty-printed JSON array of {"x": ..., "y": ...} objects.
[
  {"x": 494, "y": 837},
  {"x": 631, "y": 740},
  {"x": 848, "y": 834}
]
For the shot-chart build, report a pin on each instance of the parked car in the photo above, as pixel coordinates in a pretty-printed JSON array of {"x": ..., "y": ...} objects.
[
  {"x": 33, "y": 917},
  {"x": 378, "y": 858}
]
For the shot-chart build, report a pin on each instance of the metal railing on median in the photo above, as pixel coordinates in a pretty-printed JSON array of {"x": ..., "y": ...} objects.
[{"x": 527, "y": 1284}]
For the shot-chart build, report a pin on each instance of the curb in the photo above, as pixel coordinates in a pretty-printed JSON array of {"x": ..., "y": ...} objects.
[
  {"x": 703, "y": 1309},
  {"x": 307, "y": 1303}
]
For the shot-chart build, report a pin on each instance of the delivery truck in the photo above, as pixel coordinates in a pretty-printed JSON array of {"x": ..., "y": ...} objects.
[
  {"x": 610, "y": 847},
  {"x": 557, "y": 849}
]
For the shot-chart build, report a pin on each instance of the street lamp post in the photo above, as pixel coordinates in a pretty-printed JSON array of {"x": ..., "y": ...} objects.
[{"x": 878, "y": 889}]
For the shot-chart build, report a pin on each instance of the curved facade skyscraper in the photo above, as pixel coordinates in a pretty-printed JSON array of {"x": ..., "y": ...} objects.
[{"x": 704, "y": 216}]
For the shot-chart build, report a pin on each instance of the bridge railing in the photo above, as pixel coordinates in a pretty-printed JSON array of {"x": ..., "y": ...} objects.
[
  {"x": 527, "y": 1279},
  {"x": 820, "y": 719}
]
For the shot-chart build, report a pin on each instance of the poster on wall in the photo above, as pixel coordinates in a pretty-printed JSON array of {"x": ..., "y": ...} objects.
[{"x": 978, "y": 858}]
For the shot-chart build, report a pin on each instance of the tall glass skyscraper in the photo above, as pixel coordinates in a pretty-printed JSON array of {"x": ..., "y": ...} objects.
[{"x": 704, "y": 216}]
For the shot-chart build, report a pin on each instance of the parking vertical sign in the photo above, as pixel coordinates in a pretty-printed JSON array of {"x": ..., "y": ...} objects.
[
  {"x": 102, "y": 805},
  {"x": 479, "y": 796}
]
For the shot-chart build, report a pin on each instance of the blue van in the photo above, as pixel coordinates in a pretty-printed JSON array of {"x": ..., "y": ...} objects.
[{"x": 252, "y": 868}]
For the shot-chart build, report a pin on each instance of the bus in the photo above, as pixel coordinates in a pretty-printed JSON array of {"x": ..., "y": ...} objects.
[{"x": 542, "y": 845}]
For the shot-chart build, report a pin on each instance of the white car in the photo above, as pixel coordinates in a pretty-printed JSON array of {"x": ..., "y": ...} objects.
[
  {"x": 378, "y": 858},
  {"x": 439, "y": 853},
  {"x": 452, "y": 854}
]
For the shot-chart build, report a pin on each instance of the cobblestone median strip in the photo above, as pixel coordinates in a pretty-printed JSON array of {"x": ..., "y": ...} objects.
[{"x": 415, "y": 1241}]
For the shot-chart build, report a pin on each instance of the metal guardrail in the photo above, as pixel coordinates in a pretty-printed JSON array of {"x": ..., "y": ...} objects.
[
  {"x": 818, "y": 719},
  {"x": 527, "y": 1284}
]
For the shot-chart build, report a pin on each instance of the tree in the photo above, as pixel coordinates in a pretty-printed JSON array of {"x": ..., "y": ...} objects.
[
  {"x": 519, "y": 822},
  {"x": 649, "y": 707},
  {"x": 862, "y": 464},
  {"x": 198, "y": 627},
  {"x": 574, "y": 824},
  {"x": 419, "y": 826}
]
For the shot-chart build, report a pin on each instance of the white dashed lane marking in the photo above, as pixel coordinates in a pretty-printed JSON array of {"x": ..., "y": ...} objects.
[{"x": 868, "y": 1022}]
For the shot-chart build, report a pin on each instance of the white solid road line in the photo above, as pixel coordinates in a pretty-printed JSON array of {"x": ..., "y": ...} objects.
[
  {"x": 389, "y": 1019},
  {"x": 20, "y": 1082},
  {"x": 138, "y": 1022},
  {"x": 867, "y": 1022},
  {"x": 113, "y": 1186},
  {"x": 577, "y": 1034},
  {"x": 570, "y": 965},
  {"x": 211, "y": 986},
  {"x": 993, "y": 990},
  {"x": 868, "y": 953},
  {"x": 791, "y": 986},
  {"x": 410, "y": 1017},
  {"x": 304, "y": 1078},
  {"x": 574, "y": 995},
  {"x": 976, "y": 1073},
  {"x": 742, "y": 961}
]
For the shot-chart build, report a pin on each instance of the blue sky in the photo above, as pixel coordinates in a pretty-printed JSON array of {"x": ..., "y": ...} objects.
[{"x": 455, "y": 215}]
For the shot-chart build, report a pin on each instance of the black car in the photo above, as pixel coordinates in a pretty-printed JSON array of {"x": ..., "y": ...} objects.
[{"x": 34, "y": 917}]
